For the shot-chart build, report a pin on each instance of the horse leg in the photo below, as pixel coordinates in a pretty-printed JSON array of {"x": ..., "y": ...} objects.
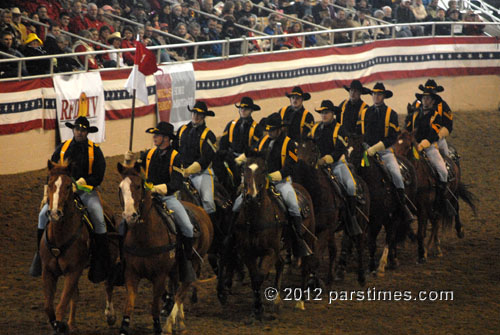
[
  {"x": 175, "y": 321},
  {"x": 256, "y": 282},
  {"x": 436, "y": 241},
  {"x": 422, "y": 228},
  {"x": 279, "y": 265},
  {"x": 345, "y": 251},
  {"x": 158, "y": 289},
  {"x": 131, "y": 283},
  {"x": 373, "y": 231},
  {"x": 70, "y": 285},
  {"x": 109, "y": 311},
  {"x": 458, "y": 222},
  {"x": 360, "y": 241},
  {"x": 49, "y": 289},
  {"x": 72, "y": 309}
]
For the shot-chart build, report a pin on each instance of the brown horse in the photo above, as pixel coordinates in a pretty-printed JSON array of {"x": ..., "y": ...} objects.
[
  {"x": 260, "y": 228},
  {"x": 64, "y": 250},
  {"x": 149, "y": 249},
  {"x": 384, "y": 207},
  {"x": 426, "y": 195},
  {"x": 329, "y": 207}
]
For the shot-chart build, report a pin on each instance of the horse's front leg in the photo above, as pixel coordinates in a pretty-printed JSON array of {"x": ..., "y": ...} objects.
[
  {"x": 158, "y": 289},
  {"x": 70, "y": 287},
  {"x": 49, "y": 289},
  {"x": 72, "y": 309},
  {"x": 131, "y": 283},
  {"x": 422, "y": 228},
  {"x": 175, "y": 322},
  {"x": 373, "y": 231},
  {"x": 279, "y": 265},
  {"x": 109, "y": 311},
  {"x": 360, "y": 245}
]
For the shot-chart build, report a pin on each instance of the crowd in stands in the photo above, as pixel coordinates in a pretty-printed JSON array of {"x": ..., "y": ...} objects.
[{"x": 98, "y": 25}]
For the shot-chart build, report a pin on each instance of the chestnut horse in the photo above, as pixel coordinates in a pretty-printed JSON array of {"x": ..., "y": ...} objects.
[
  {"x": 65, "y": 249},
  {"x": 329, "y": 206},
  {"x": 426, "y": 195},
  {"x": 149, "y": 249},
  {"x": 384, "y": 207},
  {"x": 261, "y": 226}
]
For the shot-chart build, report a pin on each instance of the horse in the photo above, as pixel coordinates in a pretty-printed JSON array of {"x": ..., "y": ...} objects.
[
  {"x": 329, "y": 207},
  {"x": 149, "y": 249},
  {"x": 384, "y": 207},
  {"x": 260, "y": 227},
  {"x": 65, "y": 250},
  {"x": 426, "y": 195}
]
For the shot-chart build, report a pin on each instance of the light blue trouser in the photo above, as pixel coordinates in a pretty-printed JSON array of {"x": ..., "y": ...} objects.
[
  {"x": 344, "y": 175},
  {"x": 94, "y": 207},
  {"x": 204, "y": 184},
  {"x": 437, "y": 162},
  {"x": 443, "y": 147},
  {"x": 392, "y": 165},
  {"x": 180, "y": 215}
]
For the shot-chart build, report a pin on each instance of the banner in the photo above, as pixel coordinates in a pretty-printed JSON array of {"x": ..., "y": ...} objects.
[
  {"x": 80, "y": 95},
  {"x": 175, "y": 90}
]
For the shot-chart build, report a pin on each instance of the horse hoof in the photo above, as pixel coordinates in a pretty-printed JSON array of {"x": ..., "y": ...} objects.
[
  {"x": 60, "y": 328},
  {"x": 422, "y": 260},
  {"x": 460, "y": 234},
  {"x": 111, "y": 319}
]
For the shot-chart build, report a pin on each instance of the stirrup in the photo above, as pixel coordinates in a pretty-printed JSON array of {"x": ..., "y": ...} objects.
[{"x": 36, "y": 266}]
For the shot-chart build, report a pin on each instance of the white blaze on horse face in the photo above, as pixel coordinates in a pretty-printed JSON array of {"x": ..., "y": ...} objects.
[
  {"x": 128, "y": 201},
  {"x": 253, "y": 167},
  {"x": 55, "y": 195}
]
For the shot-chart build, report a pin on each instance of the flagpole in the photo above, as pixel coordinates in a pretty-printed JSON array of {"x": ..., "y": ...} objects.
[{"x": 132, "y": 121}]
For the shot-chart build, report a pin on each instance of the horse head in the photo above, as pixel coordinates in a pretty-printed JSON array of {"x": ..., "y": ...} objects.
[
  {"x": 404, "y": 143},
  {"x": 356, "y": 149},
  {"x": 132, "y": 191},
  {"x": 254, "y": 176},
  {"x": 308, "y": 152},
  {"x": 60, "y": 189}
]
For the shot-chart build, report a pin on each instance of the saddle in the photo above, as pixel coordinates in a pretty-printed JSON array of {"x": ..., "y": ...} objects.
[
  {"x": 167, "y": 216},
  {"x": 305, "y": 210},
  {"x": 221, "y": 199}
]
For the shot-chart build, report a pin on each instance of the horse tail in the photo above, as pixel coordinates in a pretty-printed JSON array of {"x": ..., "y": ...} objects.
[{"x": 466, "y": 195}]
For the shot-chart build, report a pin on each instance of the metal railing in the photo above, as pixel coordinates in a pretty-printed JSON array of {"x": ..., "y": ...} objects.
[{"x": 243, "y": 42}]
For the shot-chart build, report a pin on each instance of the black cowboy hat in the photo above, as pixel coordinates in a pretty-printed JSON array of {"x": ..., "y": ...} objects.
[
  {"x": 356, "y": 84},
  {"x": 428, "y": 91},
  {"x": 201, "y": 108},
  {"x": 82, "y": 123},
  {"x": 380, "y": 88},
  {"x": 431, "y": 84},
  {"x": 247, "y": 102},
  {"x": 163, "y": 128},
  {"x": 327, "y": 105},
  {"x": 273, "y": 122},
  {"x": 298, "y": 91}
]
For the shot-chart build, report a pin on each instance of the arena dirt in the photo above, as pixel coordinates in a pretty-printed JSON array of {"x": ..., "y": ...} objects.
[{"x": 469, "y": 268}]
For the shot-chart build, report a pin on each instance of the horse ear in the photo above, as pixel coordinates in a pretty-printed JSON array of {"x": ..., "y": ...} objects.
[
  {"x": 137, "y": 167},
  {"x": 120, "y": 167}
]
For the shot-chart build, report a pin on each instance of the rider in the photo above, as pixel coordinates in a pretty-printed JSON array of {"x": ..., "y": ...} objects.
[
  {"x": 379, "y": 125},
  {"x": 348, "y": 113},
  {"x": 196, "y": 144},
  {"x": 162, "y": 166},
  {"x": 298, "y": 119},
  {"x": 330, "y": 136},
  {"x": 281, "y": 157},
  {"x": 88, "y": 167},
  {"x": 426, "y": 121},
  {"x": 240, "y": 135}
]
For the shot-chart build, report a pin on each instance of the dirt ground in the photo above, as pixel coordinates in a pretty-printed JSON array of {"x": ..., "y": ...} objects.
[{"x": 469, "y": 268}]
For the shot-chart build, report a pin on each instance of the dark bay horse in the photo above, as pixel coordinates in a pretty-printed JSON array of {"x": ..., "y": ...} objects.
[
  {"x": 384, "y": 207},
  {"x": 260, "y": 228},
  {"x": 149, "y": 249},
  {"x": 426, "y": 195},
  {"x": 329, "y": 206},
  {"x": 64, "y": 250}
]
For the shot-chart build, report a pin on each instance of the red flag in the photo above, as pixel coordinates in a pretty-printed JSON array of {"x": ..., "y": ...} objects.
[
  {"x": 144, "y": 65},
  {"x": 145, "y": 59}
]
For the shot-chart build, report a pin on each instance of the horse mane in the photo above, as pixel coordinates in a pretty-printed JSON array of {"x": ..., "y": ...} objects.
[
  {"x": 130, "y": 170},
  {"x": 55, "y": 168}
]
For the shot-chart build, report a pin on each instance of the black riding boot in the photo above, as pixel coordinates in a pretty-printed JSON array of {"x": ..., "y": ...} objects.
[
  {"x": 186, "y": 271},
  {"x": 36, "y": 264},
  {"x": 300, "y": 247},
  {"x": 352, "y": 224},
  {"x": 443, "y": 204},
  {"x": 100, "y": 260},
  {"x": 408, "y": 215}
]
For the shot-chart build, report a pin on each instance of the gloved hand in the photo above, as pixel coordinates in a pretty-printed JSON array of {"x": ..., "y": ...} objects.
[
  {"x": 160, "y": 189},
  {"x": 240, "y": 159},
  {"x": 81, "y": 182},
  {"x": 192, "y": 169},
  {"x": 423, "y": 144},
  {"x": 326, "y": 159},
  {"x": 129, "y": 156},
  {"x": 443, "y": 132},
  {"x": 45, "y": 196},
  {"x": 275, "y": 176},
  {"x": 375, "y": 148}
]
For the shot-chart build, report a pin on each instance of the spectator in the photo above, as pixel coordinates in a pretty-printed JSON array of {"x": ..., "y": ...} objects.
[
  {"x": 324, "y": 38},
  {"x": 287, "y": 6},
  {"x": 379, "y": 4},
  {"x": 310, "y": 39},
  {"x": 63, "y": 64},
  {"x": 452, "y": 6},
  {"x": 274, "y": 28},
  {"x": 248, "y": 9},
  {"x": 176, "y": 16},
  {"x": 6, "y": 23},
  {"x": 128, "y": 41},
  {"x": 84, "y": 22},
  {"x": 9, "y": 69},
  {"x": 382, "y": 32},
  {"x": 50, "y": 40},
  {"x": 33, "y": 47},
  {"x": 21, "y": 31},
  {"x": 76, "y": 10},
  {"x": 361, "y": 20},
  {"x": 229, "y": 30},
  {"x": 295, "y": 41},
  {"x": 419, "y": 10},
  {"x": 82, "y": 46},
  {"x": 228, "y": 9},
  {"x": 322, "y": 10},
  {"x": 404, "y": 14},
  {"x": 432, "y": 9},
  {"x": 138, "y": 13},
  {"x": 454, "y": 16},
  {"x": 473, "y": 29},
  {"x": 103, "y": 15},
  {"x": 113, "y": 59},
  {"x": 303, "y": 8},
  {"x": 64, "y": 20},
  {"x": 104, "y": 33},
  {"x": 253, "y": 45},
  {"x": 388, "y": 14},
  {"x": 441, "y": 29},
  {"x": 187, "y": 14},
  {"x": 213, "y": 35},
  {"x": 165, "y": 15},
  {"x": 340, "y": 22}
]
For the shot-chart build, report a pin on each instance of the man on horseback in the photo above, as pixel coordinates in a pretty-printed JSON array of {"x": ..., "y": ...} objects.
[
  {"x": 379, "y": 125},
  {"x": 348, "y": 113},
  {"x": 330, "y": 137},
  {"x": 281, "y": 157},
  {"x": 196, "y": 144},
  {"x": 240, "y": 135},
  {"x": 88, "y": 167},
  {"x": 425, "y": 120},
  {"x": 162, "y": 166},
  {"x": 298, "y": 119}
]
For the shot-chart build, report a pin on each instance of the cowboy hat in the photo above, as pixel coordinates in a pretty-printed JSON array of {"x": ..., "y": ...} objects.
[
  {"x": 297, "y": 91},
  {"x": 115, "y": 35},
  {"x": 356, "y": 85},
  {"x": 247, "y": 102},
  {"x": 428, "y": 91},
  {"x": 82, "y": 123},
  {"x": 273, "y": 122},
  {"x": 32, "y": 37},
  {"x": 163, "y": 128},
  {"x": 431, "y": 84},
  {"x": 380, "y": 88},
  {"x": 327, "y": 106},
  {"x": 201, "y": 108}
]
